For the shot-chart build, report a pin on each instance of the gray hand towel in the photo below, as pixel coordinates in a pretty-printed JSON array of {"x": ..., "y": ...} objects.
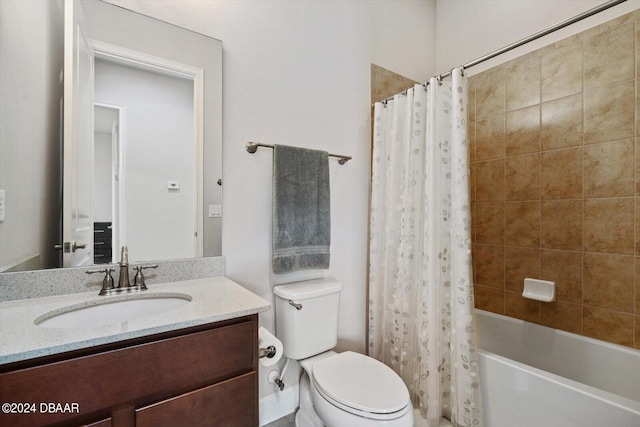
[{"x": 301, "y": 209}]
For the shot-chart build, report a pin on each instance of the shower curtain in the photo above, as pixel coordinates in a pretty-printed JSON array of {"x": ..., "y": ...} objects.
[{"x": 421, "y": 311}]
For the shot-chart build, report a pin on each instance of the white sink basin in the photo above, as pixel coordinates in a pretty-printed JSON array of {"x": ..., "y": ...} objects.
[{"x": 115, "y": 309}]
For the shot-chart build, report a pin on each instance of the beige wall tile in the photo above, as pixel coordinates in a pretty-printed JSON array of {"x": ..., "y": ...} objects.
[
  {"x": 523, "y": 82},
  {"x": 490, "y": 93},
  {"x": 471, "y": 93},
  {"x": 609, "y": 169},
  {"x": 638, "y": 164},
  {"x": 561, "y": 72},
  {"x": 471, "y": 136},
  {"x": 562, "y": 315},
  {"x": 637, "y": 226},
  {"x": 558, "y": 144},
  {"x": 523, "y": 131},
  {"x": 490, "y": 223},
  {"x": 490, "y": 299},
  {"x": 521, "y": 308},
  {"x": 561, "y": 123},
  {"x": 627, "y": 18},
  {"x": 523, "y": 177},
  {"x": 523, "y": 224},
  {"x": 386, "y": 83},
  {"x": 565, "y": 269},
  {"x": 608, "y": 325},
  {"x": 609, "y": 56},
  {"x": 472, "y": 181},
  {"x": 490, "y": 185},
  {"x": 608, "y": 282},
  {"x": 637, "y": 280},
  {"x": 561, "y": 174},
  {"x": 473, "y": 221},
  {"x": 519, "y": 264},
  {"x": 490, "y": 142},
  {"x": 609, "y": 113},
  {"x": 608, "y": 225},
  {"x": 561, "y": 225},
  {"x": 488, "y": 265},
  {"x": 637, "y": 47}
]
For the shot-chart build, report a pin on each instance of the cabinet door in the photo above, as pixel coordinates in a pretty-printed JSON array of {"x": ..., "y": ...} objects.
[
  {"x": 133, "y": 375},
  {"x": 229, "y": 403}
]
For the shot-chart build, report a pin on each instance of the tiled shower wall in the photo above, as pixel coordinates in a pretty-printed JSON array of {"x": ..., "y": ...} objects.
[{"x": 555, "y": 151}]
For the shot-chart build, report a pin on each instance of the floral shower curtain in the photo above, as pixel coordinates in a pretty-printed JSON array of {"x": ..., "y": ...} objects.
[{"x": 421, "y": 311}]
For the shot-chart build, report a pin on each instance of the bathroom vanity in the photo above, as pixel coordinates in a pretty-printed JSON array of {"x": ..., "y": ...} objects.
[{"x": 192, "y": 365}]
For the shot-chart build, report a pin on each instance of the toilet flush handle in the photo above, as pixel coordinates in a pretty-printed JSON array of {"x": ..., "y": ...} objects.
[{"x": 296, "y": 305}]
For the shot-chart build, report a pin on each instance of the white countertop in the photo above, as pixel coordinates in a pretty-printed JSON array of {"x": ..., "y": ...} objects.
[{"x": 213, "y": 299}]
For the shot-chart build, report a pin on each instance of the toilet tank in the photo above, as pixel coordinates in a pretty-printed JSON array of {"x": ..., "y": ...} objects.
[{"x": 313, "y": 328}]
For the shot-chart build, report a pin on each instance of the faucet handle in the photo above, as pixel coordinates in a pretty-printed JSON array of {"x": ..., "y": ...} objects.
[
  {"x": 138, "y": 280},
  {"x": 107, "y": 282}
]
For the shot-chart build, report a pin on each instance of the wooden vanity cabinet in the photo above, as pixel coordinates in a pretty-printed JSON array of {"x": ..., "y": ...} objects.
[{"x": 201, "y": 376}]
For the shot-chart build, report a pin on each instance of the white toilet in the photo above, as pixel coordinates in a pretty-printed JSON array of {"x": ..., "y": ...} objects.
[{"x": 337, "y": 389}]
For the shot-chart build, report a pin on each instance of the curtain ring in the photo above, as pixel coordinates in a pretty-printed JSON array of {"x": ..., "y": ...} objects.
[
  {"x": 462, "y": 70},
  {"x": 439, "y": 80}
]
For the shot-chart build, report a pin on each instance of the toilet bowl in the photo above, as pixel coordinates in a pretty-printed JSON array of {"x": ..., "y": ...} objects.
[
  {"x": 337, "y": 389},
  {"x": 351, "y": 389}
]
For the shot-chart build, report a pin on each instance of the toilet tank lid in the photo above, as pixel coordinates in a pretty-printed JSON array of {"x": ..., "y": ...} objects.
[{"x": 308, "y": 289}]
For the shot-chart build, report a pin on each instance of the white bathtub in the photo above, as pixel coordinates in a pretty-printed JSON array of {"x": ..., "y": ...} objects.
[{"x": 534, "y": 376}]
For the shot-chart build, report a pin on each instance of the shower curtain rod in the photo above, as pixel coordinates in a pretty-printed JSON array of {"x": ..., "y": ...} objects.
[{"x": 526, "y": 40}]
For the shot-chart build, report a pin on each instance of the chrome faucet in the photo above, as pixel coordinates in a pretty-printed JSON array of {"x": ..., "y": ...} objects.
[
  {"x": 124, "y": 285},
  {"x": 123, "y": 280}
]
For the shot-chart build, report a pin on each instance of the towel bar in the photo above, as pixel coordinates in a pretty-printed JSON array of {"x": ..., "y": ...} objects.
[{"x": 252, "y": 147}]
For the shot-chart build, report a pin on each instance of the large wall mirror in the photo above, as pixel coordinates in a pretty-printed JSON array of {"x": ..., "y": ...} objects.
[{"x": 110, "y": 135}]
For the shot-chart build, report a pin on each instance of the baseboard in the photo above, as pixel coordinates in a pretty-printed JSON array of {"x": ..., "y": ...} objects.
[{"x": 275, "y": 406}]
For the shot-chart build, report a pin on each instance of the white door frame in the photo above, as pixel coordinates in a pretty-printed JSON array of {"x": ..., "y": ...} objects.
[
  {"x": 142, "y": 60},
  {"x": 119, "y": 186}
]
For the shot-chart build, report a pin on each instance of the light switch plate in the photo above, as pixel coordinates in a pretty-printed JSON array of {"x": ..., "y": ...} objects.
[{"x": 215, "y": 211}]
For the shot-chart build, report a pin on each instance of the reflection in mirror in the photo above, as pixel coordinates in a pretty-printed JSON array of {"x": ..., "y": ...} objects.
[
  {"x": 155, "y": 160},
  {"x": 158, "y": 170},
  {"x": 108, "y": 180}
]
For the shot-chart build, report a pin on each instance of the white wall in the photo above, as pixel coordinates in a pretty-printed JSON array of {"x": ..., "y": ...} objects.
[
  {"x": 297, "y": 73},
  {"x": 404, "y": 36},
  {"x": 102, "y": 178},
  {"x": 469, "y": 29},
  {"x": 159, "y": 147},
  {"x": 30, "y": 88}
]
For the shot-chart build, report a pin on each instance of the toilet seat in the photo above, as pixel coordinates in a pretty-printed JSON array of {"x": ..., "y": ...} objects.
[{"x": 361, "y": 385}]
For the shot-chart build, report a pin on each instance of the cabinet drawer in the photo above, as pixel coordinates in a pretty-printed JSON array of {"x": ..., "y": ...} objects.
[
  {"x": 229, "y": 403},
  {"x": 138, "y": 374}
]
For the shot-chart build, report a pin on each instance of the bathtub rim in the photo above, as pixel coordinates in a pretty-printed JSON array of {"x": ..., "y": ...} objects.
[
  {"x": 626, "y": 402},
  {"x": 602, "y": 395},
  {"x": 613, "y": 346}
]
